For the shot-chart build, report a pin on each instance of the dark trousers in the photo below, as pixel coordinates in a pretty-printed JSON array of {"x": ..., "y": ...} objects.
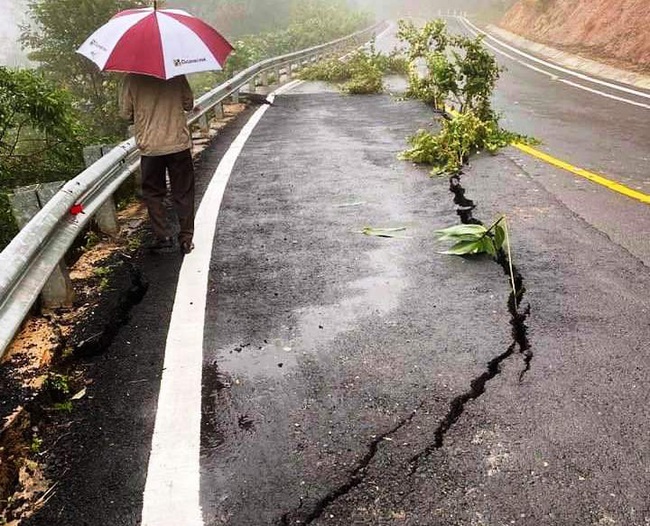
[{"x": 154, "y": 189}]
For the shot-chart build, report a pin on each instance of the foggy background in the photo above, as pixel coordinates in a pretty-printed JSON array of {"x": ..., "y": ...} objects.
[{"x": 13, "y": 14}]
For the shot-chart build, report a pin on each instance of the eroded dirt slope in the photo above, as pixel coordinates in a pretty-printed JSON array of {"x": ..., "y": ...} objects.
[{"x": 615, "y": 30}]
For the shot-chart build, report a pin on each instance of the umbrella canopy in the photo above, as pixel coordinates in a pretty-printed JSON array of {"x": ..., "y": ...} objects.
[{"x": 162, "y": 43}]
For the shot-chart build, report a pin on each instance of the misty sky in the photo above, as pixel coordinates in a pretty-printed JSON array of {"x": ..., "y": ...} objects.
[{"x": 13, "y": 15}]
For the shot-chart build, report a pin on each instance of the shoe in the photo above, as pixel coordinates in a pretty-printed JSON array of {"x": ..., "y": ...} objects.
[
  {"x": 161, "y": 246},
  {"x": 186, "y": 247}
]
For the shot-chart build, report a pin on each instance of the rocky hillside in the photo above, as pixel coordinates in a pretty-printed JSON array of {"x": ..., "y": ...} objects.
[{"x": 614, "y": 30}]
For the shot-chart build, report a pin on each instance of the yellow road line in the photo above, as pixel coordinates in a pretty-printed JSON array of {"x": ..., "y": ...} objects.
[
  {"x": 598, "y": 179},
  {"x": 594, "y": 178}
]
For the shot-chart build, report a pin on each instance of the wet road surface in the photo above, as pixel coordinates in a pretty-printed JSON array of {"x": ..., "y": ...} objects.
[
  {"x": 350, "y": 379},
  {"x": 337, "y": 358},
  {"x": 320, "y": 339}
]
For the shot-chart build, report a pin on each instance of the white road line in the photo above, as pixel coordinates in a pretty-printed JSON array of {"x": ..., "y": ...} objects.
[
  {"x": 171, "y": 495},
  {"x": 608, "y": 95},
  {"x": 552, "y": 76},
  {"x": 475, "y": 30},
  {"x": 515, "y": 59}
]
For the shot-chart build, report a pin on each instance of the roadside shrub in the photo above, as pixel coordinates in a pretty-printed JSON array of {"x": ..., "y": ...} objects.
[
  {"x": 39, "y": 137},
  {"x": 365, "y": 81},
  {"x": 392, "y": 64},
  {"x": 365, "y": 73},
  {"x": 314, "y": 22},
  {"x": 328, "y": 70},
  {"x": 361, "y": 72},
  {"x": 39, "y": 131}
]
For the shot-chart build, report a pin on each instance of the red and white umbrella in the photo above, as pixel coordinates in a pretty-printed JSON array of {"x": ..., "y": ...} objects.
[{"x": 163, "y": 43}]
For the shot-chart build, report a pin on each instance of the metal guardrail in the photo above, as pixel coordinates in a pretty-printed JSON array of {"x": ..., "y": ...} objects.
[{"x": 27, "y": 262}]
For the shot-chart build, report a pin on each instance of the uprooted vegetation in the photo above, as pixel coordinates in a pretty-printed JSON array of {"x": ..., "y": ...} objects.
[
  {"x": 457, "y": 76},
  {"x": 460, "y": 135}
]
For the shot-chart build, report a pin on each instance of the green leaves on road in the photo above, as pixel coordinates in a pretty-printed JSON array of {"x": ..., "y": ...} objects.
[
  {"x": 384, "y": 232},
  {"x": 477, "y": 239},
  {"x": 474, "y": 239}
]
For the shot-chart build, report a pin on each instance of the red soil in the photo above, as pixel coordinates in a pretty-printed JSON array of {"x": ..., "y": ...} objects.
[{"x": 614, "y": 30}]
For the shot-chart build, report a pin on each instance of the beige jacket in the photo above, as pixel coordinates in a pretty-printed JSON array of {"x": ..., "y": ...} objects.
[{"x": 157, "y": 109}]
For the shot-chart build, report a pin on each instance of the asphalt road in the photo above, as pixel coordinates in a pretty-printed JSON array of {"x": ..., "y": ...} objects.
[{"x": 350, "y": 379}]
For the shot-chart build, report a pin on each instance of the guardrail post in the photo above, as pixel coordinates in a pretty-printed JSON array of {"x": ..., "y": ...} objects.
[
  {"x": 58, "y": 291},
  {"x": 235, "y": 96},
  {"x": 106, "y": 215},
  {"x": 25, "y": 204},
  {"x": 264, "y": 78},
  {"x": 278, "y": 75},
  {"x": 204, "y": 125},
  {"x": 218, "y": 111},
  {"x": 252, "y": 85}
]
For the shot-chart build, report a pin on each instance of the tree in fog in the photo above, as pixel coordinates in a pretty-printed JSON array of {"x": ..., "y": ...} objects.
[
  {"x": 235, "y": 18},
  {"x": 238, "y": 17},
  {"x": 58, "y": 28},
  {"x": 12, "y": 15}
]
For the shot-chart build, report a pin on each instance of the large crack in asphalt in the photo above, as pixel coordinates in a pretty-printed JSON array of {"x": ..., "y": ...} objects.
[
  {"x": 457, "y": 407},
  {"x": 520, "y": 344},
  {"x": 106, "y": 324},
  {"x": 17, "y": 436},
  {"x": 518, "y": 315},
  {"x": 519, "y": 330},
  {"x": 355, "y": 477}
]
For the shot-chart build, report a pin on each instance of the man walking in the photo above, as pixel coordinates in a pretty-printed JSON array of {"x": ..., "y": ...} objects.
[{"x": 157, "y": 109}]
